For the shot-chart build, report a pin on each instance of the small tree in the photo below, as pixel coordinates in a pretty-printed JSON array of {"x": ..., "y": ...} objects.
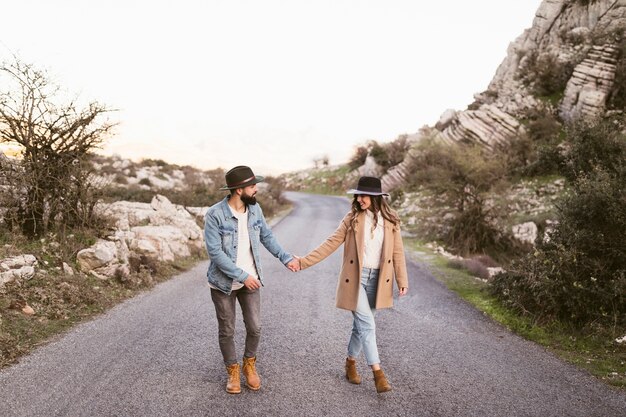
[
  {"x": 51, "y": 185},
  {"x": 358, "y": 157},
  {"x": 462, "y": 176}
]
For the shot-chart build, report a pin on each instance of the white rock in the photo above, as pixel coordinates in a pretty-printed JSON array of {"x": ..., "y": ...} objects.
[
  {"x": 163, "y": 243},
  {"x": 370, "y": 168},
  {"x": 17, "y": 262},
  {"x": 17, "y": 267},
  {"x": 100, "y": 254},
  {"x": 445, "y": 119},
  {"x": 67, "y": 269},
  {"x": 492, "y": 271},
  {"x": 526, "y": 232},
  {"x": 28, "y": 310}
]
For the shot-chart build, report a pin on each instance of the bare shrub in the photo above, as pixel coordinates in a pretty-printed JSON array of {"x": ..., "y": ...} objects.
[{"x": 52, "y": 184}]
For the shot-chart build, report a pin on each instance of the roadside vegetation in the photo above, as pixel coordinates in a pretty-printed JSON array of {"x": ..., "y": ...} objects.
[
  {"x": 60, "y": 300},
  {"x": 594, "y": 351}
]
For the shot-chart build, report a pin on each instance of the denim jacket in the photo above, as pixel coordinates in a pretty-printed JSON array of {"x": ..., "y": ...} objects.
[{"x": 220, "y": 237}]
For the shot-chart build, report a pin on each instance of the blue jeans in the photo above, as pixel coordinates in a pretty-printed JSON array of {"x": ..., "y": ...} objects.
[{"x": 363, "y": 326}]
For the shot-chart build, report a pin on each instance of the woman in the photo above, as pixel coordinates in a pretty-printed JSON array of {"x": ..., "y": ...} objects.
[{"x": 373, "y": 254}]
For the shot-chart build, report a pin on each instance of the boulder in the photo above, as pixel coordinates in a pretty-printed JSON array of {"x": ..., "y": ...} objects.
[
  {"x": 160, "y": 230},
  {"x": 525, "y": 232},
  {"x": 102, "y": 253},
  {"x": 17, "y": 267}
]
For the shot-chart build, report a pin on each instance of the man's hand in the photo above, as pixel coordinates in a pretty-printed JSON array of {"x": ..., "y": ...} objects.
[
  {"x": 403, "y": 291},
  {"x": 252, "y": 283},
  {"x": 294, "y": 264}
]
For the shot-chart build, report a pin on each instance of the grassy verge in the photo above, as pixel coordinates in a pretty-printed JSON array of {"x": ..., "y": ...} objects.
[
  {"x": 597, "y": 352},
  {"x": 61, "y": 301}
]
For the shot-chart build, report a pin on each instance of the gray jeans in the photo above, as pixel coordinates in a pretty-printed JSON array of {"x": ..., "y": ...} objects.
[{"x": 250, "y": 302}]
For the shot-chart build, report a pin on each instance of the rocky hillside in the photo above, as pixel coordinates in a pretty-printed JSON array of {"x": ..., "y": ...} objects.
[
  {"x": 570, "y": 63},
  {"x": 154, "y": 211}
]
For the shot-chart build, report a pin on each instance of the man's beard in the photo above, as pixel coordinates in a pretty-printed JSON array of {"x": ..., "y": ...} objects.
[{"x": 248, "y": 199}]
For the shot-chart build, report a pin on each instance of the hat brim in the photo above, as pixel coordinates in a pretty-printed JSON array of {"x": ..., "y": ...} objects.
[
  {"x": 257, "y": 179},
  {"x": 366, "y": 192}
]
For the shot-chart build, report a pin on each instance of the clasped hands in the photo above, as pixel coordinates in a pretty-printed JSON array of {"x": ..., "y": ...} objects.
[
  {"x": 294, "y": 264},
  {"x": 253, "y": 283}
]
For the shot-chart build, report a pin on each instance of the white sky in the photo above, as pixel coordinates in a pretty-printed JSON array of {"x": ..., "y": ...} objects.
[{"x": 267, "y": 83}]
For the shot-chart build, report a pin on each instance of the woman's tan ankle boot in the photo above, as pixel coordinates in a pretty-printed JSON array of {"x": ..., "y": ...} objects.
[
  {"x": 351, "y": 373},
  {"x": 382, "y": 385}
]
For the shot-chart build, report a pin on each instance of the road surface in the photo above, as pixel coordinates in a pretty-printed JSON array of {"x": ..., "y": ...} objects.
[{"x": 157, "y": 354}]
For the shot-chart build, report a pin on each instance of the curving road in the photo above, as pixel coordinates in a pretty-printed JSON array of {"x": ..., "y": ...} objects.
[{"x": 157, "y": 354}]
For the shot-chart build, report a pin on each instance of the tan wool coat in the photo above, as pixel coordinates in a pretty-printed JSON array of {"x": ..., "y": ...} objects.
[{"x": 392, "y": 262}]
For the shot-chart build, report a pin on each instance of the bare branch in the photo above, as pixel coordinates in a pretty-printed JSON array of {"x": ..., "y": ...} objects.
[{"x": 57, "y": 138}]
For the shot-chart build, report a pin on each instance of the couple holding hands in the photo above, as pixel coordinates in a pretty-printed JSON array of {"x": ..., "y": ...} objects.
[{"x": 373, "y": 256}]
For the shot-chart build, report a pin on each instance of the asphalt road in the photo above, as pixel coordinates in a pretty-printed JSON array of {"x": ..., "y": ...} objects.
[{"x": 157, "y": 354}]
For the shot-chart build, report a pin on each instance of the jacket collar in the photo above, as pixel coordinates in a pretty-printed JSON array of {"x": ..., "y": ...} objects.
[{"x": 228, "y": 214}]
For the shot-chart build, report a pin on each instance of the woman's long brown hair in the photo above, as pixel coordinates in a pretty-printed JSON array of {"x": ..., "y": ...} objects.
[{"x": 379, "y": 205}]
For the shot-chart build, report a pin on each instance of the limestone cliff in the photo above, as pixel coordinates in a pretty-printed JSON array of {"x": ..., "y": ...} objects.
[{"x": 565, "y": 64}]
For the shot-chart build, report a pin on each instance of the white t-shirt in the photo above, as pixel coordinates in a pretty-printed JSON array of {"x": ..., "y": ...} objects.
[{"x": 373, "y": 240}]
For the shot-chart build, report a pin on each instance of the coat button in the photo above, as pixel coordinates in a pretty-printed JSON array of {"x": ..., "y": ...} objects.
[
  {"x": 347, "y": 280},
  {"x": 388, "y": 261},
  {"x": 351, "y": 261},
  {"x": 387, "y": 279}
]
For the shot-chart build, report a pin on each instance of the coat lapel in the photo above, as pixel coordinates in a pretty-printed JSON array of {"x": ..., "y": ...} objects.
[
  {"x": 387, "y": 239},
  {"x": 359, "y": 234}
]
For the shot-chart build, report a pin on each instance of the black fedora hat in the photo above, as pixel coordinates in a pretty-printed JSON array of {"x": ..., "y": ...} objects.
[
  {"x": 368, "y": 186},
  {"x": 239, "y": 177}
]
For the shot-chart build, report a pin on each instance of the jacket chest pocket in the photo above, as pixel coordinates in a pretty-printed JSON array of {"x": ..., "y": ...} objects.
[
  {"x": 256, "y": 230},
  {"x": 228, "y": 238}
]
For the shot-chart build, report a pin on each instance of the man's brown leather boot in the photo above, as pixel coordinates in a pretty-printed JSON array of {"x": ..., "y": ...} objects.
[
  {"x": 249, "y": 372},
  {"x": 382, "y": 385},
  {"x": 233, "y": 386},
  {"x": 351, "y": 373}
]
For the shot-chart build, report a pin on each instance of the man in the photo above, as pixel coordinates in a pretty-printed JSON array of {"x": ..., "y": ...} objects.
[{"x": 234, "y": 228}]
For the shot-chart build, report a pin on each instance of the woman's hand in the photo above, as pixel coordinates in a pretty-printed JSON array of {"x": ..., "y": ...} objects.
[
  {"x": 403, "y": 291},
  {"x": 294, "y": 264}
]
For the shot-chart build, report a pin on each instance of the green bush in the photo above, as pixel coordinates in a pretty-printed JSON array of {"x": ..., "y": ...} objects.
[
  {"x": 545, "y": 74},
  {"x": 389, "y": 154},
  {"x": 538, "y": 152},
  {"x": 378, "y": 152},
  {"x": 594, "y": 145},
  {"x": 579, "y": 274}
]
